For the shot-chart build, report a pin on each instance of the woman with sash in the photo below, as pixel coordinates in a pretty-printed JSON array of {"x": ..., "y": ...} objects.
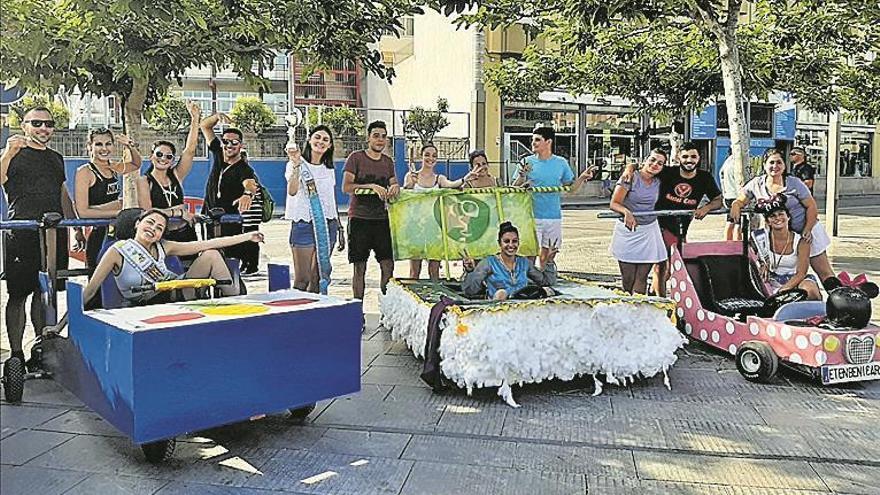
[
  {"x": 311, "y": 193},
  {"x": 140, "y": 261}
]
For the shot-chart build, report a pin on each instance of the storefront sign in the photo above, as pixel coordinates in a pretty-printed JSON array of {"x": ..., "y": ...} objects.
[
  {"x": 785, "y": 119},
  {"x": 704, "y": 125}
]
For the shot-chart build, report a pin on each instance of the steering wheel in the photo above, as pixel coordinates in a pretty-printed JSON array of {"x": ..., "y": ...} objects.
[{"x": 777, "y": 300}]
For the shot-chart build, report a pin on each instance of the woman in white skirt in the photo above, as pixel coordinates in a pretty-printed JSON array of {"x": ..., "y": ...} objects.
[
  {"x": 799, "y": 202},
  {"x": 637, "y": 243}
]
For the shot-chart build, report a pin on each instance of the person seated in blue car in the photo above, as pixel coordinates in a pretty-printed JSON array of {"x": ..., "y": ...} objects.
[
  {"x": 506, "y": 274},
  {"x": 140, "y": 261}
]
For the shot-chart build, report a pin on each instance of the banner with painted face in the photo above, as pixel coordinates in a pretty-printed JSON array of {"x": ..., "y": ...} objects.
[{"x": 440, "y": 224}]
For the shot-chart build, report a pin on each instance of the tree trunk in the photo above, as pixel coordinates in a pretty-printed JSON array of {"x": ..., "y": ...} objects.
[
  {"x": 728, "y": 53},
  {"x": 134, "y": 111}
]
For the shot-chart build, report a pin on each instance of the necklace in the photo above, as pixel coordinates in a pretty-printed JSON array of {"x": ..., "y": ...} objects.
[
  {"x": 169, "y": 192},
  {"x": 775, "y": 261},
  {"x": 510, "y": 269}
]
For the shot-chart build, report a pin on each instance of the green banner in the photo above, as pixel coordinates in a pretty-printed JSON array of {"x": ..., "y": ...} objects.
[{"x": 440, "y": 223}]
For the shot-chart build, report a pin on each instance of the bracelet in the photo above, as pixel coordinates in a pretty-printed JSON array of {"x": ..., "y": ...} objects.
[{"x": 248, "y": 193}]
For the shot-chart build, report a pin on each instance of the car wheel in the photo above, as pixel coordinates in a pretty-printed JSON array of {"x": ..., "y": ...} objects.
[
  {"x": 13, "y": 379},
  {"x": 299, "y": 415},
  {"x": 159, "y": 452},
  {"x": 757, "y": 362}
]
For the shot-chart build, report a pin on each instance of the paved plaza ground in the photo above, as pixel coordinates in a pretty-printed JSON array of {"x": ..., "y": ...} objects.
[{"x": 713, "y": 432}]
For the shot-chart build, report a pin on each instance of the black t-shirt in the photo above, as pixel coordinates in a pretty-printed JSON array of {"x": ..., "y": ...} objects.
[
  {"x": 804, "y": 171},
  {"x": 225, "y": 182},
  {"x": 162, "y": 197},
  {"x": 33, "y": 184},
  {"x": 678, "y": 193}
]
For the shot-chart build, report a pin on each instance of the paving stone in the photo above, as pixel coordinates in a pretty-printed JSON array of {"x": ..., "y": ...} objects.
[
  {"x": 794, "y": 475},
  {"x": 273, "y": 432},
  {"x": 396, "y": 361},
  {"x": 287, "y": 468},
  {"x": 16, "y": 417},
  {"x": 399, "y": 347},
  {"x": 726, "y": 438},
  {"x": 852, "y": 417},
  {"x": 611, "y": 486},
  {"x": 730, "y": 413},
  {"x": 574, "y": 459},
  {"x": 48, "y": 392},
  {"x": 467, "y": 451},
  {"x": 174, "y": 488},
  {"x": 840, "y": 444},
  {"x": 422, "y": 395},
  {"x": 397, "y": 415},
  {"x": 441, "y": 479},
  {"x": 472, "y": 420},
  {"x": 25, "y": 445},
  {"x": 849, "y": 478},
  {"x": 25, "y": 479},
  {"x": 364, "y": 443},
  {"x": 122, "y": 485},
  {"x": 81, "y": 422},
  {"x": 389, "y": 375},
  {"x": 192, "y": 461},
  {"x": 621, "y": 432},
  {"x": 369, "y": 391}
]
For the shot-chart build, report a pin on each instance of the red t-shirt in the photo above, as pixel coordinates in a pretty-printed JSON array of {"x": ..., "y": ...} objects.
[{"x": 369, "y": 171}]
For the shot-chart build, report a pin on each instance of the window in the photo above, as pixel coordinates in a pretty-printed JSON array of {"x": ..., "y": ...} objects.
[{"x": 855, "y": 154}]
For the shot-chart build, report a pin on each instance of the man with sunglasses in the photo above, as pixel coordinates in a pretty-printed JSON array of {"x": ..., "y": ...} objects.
[
  {"x": 33, "y": 178},
  {"x": 232, "y": 183},
  {"x": 801, "y": 169}
]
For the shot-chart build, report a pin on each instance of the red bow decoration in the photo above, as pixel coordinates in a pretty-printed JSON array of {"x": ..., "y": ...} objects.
[{"x": 848, "y": 281}]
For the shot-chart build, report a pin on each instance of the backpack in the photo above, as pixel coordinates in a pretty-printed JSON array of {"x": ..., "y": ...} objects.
[{"x": 268, "y": 203}]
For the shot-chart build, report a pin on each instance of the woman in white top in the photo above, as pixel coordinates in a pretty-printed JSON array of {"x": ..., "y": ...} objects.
[
  {"x": 789, "y": 254},
  {"x": 317, "y": 155},
  {"x": 426, "y": 179}
]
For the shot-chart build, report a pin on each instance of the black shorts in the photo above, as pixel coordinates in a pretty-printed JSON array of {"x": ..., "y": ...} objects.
[
  {"x": 23, "y": 260},
  {"x": 369, "y": 235},
  {"x": 728, "y": 202}
]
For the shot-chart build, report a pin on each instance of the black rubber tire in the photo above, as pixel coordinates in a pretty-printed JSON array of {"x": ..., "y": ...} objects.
[
  {"x": 300, "y": 414},
  {"x": 13, "y": 379},
  {"x": 757, "y": 362},
  {"x": 160, "y": 451}
]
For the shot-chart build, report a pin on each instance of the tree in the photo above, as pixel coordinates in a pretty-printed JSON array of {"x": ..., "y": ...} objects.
[
  {"x": 250, "y": 114},
  {"x": 344, "y": 121},
  {"x": 59, "y": 112},
  {"x": 426, "y": 123},
  {"x": 135, "y": 49},
  {"x": 678, "y": 55},
  {"x": 168, "y": 114}
]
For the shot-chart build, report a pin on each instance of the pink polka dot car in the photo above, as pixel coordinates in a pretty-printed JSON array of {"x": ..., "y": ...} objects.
[{"x": 722, "y": 302}]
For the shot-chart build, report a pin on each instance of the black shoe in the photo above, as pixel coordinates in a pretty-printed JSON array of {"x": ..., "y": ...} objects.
[{"x": 35, "y": 363}]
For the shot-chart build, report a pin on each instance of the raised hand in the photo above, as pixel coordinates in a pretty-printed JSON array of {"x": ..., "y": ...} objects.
[{"x": 195, "y": 111}]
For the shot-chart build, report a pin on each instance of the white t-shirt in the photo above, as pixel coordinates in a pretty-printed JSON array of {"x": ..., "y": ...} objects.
[
  {"x": 297, "y": 206},
  {"x": 729, "y": 185}
]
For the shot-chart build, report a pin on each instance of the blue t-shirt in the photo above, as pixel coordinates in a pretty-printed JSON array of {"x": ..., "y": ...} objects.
[{"x": 552, "y": 172}]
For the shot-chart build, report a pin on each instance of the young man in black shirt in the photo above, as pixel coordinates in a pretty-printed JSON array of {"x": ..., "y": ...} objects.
[
  {"x": 682, "y": 188},
  {"x": 232, "y": 183},
  {"x": 801, "y": 169},
  {"x": 33, "y": 177}
]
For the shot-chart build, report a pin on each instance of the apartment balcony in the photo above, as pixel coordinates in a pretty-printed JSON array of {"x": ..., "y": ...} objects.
[
  {"x": 338, "y": 85},
  {"x": 397, "y": 48}
]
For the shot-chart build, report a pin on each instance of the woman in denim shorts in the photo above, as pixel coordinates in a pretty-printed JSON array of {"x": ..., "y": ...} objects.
[{"x": 317, "y": 155}]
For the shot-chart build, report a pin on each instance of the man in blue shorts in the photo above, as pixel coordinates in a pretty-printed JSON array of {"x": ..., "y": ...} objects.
[{"x": 544, "y": 169}]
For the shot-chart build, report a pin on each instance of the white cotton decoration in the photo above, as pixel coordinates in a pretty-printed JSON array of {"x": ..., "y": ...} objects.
[
  {"x": 506, "y": 393},
  {"x": 597, "y": 386},
  {"x": 534, "y": 342}
]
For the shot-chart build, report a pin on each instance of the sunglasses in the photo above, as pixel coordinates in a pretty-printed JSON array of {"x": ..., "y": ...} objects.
[
  {"x": 230, "y": 142},
  {"x": 159, "y": 154},
  {"x": 40, "y": 123}
]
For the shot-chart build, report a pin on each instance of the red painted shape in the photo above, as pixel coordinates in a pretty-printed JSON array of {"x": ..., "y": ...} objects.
[{"x": 172, "y": 318}]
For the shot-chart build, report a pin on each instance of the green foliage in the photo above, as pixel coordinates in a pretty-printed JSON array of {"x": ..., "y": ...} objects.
[
  {"x": 664, "y": 54},
  {"x": 137, "y": 49},
  {"x": 426, "y": 123},
  {"x": 250, "y": 114},
  {"x": 59, "y": 112},
  {"x": 168, "y": 114},
  {"x": 344, "y": 121}
]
